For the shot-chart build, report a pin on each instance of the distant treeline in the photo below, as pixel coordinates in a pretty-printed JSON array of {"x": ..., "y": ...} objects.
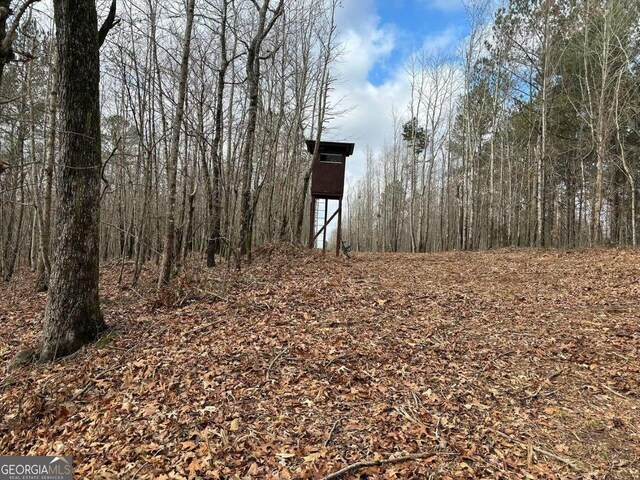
[{"x": 527, "y": 136}]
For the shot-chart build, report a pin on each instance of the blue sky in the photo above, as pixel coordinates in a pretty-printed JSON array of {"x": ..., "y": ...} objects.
[
  {"x": 377, "y": 38},
  {"x": 414, "y": 22}
]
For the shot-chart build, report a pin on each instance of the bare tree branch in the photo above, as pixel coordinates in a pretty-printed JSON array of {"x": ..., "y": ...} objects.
[{"x": 110, "y": 22}]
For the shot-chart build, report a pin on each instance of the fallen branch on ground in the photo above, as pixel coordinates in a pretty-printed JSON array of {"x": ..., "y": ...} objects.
[
  {"x": 545, "y": 381},
  {"x": 376, "y": 463}
]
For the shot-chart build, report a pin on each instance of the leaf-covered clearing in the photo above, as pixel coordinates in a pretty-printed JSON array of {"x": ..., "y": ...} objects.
[{"x": 507, "y": 364}]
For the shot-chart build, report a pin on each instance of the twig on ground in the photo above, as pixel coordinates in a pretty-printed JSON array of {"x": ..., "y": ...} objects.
[
  {"x": 546, "y": 380},
  {"x": 91, "y": 383},
  {"x": 567, "y": 461},
  {"x": 213, "y": 294},
  {"x": 120, "y": 349},
  {"x": 533, "y": 395},
  {"x": 133, "y": 289},
  {"x": 147, "y": 462},
  {"x": 620, "y": 356},
  {"x": 204, "y": 326},
  {"x": 266, "y": 377},
  {"x": 209, "y": 449},
  {"x": 145, "y": 338},
  {"x": 617, "y": 394},
  {"x": 376, "y": 463},
  {"x": 496, "y": 358},
  {"x": 333, "y": 429}
]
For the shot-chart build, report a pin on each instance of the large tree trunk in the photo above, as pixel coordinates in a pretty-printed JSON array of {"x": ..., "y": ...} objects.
[{"x": 73, "y": 316}]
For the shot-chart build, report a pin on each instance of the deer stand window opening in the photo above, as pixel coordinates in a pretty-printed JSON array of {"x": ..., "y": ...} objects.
[{"x": 327, "y": 187}]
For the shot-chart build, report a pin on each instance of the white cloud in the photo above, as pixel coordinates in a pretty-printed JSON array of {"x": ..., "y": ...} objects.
[
  {"x": 367, "y": 121},
  {"x": 444, "y": 5},
  {"x": 368, "y": 108},
  {"x": 443, "y": 41}
]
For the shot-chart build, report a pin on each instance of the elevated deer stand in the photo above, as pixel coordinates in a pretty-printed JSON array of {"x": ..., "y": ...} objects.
[{"x": 327, "y": 183}]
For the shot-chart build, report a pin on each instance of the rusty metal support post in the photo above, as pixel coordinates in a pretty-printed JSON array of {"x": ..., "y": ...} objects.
[
  {"x": 312, "y": 221},
  {"x": 339, "y": 235},
  {"x": 324, "y": 233}
]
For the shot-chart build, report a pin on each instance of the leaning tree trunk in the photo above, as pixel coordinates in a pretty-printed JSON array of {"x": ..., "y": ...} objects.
[{"x": 73, "y": 316}]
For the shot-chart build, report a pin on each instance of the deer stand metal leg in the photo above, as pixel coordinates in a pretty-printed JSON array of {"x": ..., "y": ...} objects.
[{"x": 339, "y": 233}]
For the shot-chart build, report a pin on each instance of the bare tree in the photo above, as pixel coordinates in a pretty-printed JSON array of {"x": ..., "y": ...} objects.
[
  {"x": 168, "y": 253},
  {"x": 73, "y": 315},
  {"x": 254, "y": 58}
]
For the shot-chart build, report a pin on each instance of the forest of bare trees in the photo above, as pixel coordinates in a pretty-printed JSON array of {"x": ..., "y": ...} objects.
[
  {"x": 161, "y": 316},
  {"x": 205, "y": 109},
  {"x": 148, "y": 131},
  {"x": 527, "y": 135}
]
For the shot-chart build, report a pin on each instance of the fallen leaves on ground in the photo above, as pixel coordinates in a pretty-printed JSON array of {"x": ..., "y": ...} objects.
[{"x": 506, "y": 364}]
